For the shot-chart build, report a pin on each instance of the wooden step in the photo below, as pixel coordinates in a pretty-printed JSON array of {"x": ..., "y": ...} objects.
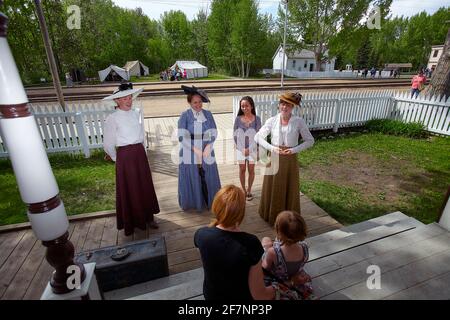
[
  {"x": 358, "y": 227},
  {"x": 155, "y": 285},
  {"x": 182, "y": 291},
  {"x": 332, "y": 247},
  {"x": 389, "y": 254}
]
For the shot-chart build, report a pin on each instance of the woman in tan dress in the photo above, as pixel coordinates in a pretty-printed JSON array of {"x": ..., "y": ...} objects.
[{"x": 281, "y": 189}]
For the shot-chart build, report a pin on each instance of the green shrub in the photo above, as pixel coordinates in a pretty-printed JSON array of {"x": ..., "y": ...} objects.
[{"x": 397, "y": 127}]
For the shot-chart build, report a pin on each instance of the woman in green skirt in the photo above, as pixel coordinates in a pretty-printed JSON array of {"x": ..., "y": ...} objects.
[{"x": 280, "y": 189}]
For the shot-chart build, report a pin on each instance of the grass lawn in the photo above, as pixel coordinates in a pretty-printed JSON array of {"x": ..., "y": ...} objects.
[
  {"x": 362, "y": 176},
  {"x": 86, "y": 185}
]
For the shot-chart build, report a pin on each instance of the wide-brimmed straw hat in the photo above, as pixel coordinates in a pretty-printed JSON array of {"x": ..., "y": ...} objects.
[
  {"x": 291, "y": 97},
  {"x": 125, "y": 89},
  {"x": 195, "y": 90}
]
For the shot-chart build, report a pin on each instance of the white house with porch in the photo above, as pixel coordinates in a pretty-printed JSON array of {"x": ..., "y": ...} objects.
[{"x": 300, "y": 60}]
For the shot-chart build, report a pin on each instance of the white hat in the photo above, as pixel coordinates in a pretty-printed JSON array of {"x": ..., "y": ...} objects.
[{"x": 125, "y": 89}]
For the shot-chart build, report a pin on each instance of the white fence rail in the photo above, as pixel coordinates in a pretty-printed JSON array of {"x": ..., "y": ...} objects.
[
  {"x": 77, "y": 130},
  {"x": 334, "y": 110}
]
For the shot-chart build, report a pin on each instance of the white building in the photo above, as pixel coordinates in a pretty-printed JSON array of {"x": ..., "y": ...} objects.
[
  {"x": 435, "y": 55},
  {"x": 302, "y": 60}
]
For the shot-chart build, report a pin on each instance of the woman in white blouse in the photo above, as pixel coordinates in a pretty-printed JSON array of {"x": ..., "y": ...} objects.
[
  {"x": 280, "y": 189},
  {"x": 123, "y": 142}
]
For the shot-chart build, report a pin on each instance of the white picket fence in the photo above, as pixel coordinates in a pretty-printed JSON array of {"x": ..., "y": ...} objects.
[
  {"x": 79, "y": 129},
  {"x": 334, "y": 110}
]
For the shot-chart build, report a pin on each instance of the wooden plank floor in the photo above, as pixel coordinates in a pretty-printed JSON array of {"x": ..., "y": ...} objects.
[{"x": 24, "y": 272}]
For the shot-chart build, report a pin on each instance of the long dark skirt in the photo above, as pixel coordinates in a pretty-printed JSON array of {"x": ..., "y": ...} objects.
[
  {"x": 280, "y": 191},
  {"x": 136, "y": 201}
]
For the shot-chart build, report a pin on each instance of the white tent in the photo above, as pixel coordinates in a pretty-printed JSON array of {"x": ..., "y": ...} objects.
[
  {"x": 136, "y": 68},
  {"x": 113, "y": 72},
  {"x": 193, "y": 69}
]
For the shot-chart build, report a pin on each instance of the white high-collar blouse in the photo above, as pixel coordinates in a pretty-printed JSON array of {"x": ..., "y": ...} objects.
[
  {"x": 122, "y": 128},
  {"x": 288, "y": 137}
]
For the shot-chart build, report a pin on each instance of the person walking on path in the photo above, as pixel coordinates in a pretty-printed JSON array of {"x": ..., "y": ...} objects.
[{"x": 417, "y": 84}]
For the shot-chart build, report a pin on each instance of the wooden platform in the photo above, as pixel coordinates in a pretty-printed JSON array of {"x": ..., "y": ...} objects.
[
  {"x": 24, "y": 272},
  {"x": 413, "y": 260}
]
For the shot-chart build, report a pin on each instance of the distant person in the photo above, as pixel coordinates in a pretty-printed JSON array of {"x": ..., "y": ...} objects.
[
  {"x": 69, "y": 81},
  {"x": 417, "y": 84},
  {"x": 284, "y": 259},
  {"x": 246, "y": 125},
  {"x": 373, "y": 72}
]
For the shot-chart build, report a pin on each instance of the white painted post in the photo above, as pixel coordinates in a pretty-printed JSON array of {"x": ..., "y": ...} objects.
[
  {"x": 37, "y": 184},
  {"x": 337, "y": 116},
  {"x": 81, "y": 129},
  {"x": 444, "y": 221}
]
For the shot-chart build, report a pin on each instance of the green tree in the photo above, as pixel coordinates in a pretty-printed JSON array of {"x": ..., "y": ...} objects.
[
  {"x": 177, "y": 34},
  {"x": 246, "y": 36},
  {"x": 200, "y": 37},
  {"x": 314, "y": 23},
  {"x": 219, "y": 31}
]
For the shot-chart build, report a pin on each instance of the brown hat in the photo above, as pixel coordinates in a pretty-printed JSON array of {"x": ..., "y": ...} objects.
[{"x": 291, "y": 97}]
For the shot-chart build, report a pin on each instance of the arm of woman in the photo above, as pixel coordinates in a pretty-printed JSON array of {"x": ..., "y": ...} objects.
[
  {"x": 261, "y": 135},
  {"x": 184, "y": 136},
  {"x": 213, "y": 133},
  {"x": 109, "y": 137},
  {"x": 256, "y": 284},
  {"x": 308, "y": 139},
  {"x": 268, "y": 258}
]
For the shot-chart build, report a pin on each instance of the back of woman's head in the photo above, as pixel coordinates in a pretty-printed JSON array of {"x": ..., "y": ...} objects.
[
  {"x": 228, "y": 206},
  {"x": 290, "y": 227}
]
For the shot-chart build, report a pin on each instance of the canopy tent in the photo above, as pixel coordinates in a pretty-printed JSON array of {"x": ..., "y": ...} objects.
[
  {"x": 193, "y": 69},
  {"x": 113, "y": 73},
  {"x": 136, "y": 68}
]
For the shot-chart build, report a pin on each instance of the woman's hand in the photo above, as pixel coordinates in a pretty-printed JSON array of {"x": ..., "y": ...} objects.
[
  {"x": 207, "y": 151},
  {"x": 277, "y": 150},
  {"x": 198, "y": 154},
  {"x": 287, "y": 152},
  {"x": 107, "y": 158}
]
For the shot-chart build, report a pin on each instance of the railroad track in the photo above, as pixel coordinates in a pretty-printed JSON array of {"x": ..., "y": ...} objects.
[{"x": 104, "y": 91}]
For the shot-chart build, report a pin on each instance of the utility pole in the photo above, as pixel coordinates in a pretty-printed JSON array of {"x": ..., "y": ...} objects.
[
  {"x": 284, "y": 42},
  {"x": 50, "y": 56}
]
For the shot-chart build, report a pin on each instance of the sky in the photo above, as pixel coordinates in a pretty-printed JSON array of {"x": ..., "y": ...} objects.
[{"x": 154, "y": 8}]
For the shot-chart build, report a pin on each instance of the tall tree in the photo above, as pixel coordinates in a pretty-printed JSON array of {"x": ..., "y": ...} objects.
[
  {"x": 315, "y": 22},
  {"x": 440, "y": 80},
  {"x": 246, "y": 36},
  {"x": 200, "y": 37},
  {"x": 219, "y": 30},
  {"x": 177, "y": 34}
]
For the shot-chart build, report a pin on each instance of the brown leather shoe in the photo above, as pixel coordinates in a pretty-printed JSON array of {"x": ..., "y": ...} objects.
[{"x": 153, "y": 225}]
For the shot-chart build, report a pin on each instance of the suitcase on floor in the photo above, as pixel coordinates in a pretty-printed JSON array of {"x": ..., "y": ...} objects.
[{"x": 132, "y": 263}]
